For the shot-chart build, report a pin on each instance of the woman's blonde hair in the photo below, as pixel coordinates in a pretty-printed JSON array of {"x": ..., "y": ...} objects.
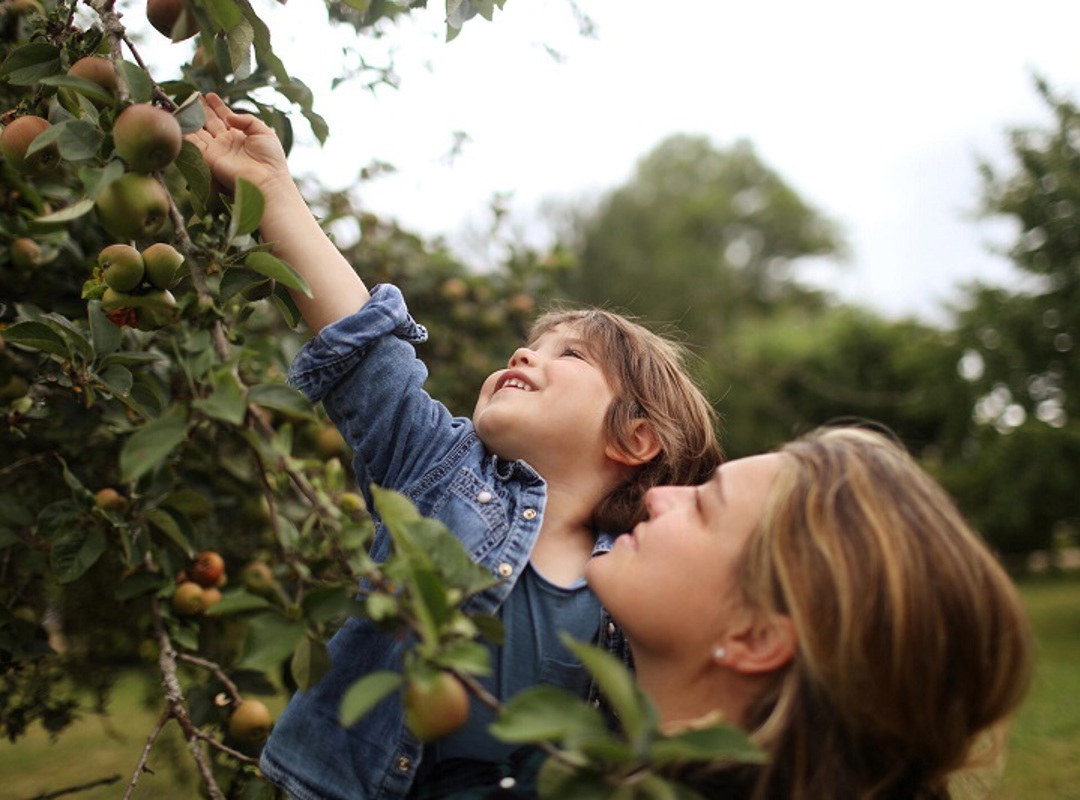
[
  {"x": 912, "y": 641},
  {"x": 648, "y": 374}
]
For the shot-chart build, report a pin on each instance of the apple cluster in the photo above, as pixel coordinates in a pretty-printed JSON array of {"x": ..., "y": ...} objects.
[
  {"x": 199, "y": 587},
  {"x": 139, "y": 282}
]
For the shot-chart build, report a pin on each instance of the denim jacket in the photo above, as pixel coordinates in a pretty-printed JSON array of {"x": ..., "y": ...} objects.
[{"x": 364, "y": 370}]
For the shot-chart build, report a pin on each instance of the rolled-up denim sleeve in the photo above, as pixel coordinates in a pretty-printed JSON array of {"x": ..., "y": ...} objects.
[{"x": 364, "y": 370}]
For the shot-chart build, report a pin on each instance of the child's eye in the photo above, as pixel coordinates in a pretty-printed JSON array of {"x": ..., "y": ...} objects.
[{"x": 572, "y": 353}]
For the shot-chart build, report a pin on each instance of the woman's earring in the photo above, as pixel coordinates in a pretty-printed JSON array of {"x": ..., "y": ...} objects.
[{"x": 720, "y": 653}]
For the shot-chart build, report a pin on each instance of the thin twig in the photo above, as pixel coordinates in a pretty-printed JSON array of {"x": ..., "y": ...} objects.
[
  {"x": 140, "y": 768},
  {"x": 217, "y": 670},
  {"x": 82, "y": 787}
]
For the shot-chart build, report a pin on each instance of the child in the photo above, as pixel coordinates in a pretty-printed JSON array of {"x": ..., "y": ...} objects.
[{"x": 560, "y": 449}]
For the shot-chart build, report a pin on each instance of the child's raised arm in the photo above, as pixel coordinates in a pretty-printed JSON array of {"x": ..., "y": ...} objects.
[{"x": 243, "y": 146}]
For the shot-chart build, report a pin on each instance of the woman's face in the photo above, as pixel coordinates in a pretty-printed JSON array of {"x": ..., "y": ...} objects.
[{"x": 671, "y": 583}]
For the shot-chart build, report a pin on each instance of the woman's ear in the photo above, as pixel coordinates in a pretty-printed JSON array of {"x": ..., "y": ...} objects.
[
  {"x": 642, "y": 445},
  {"x": 763, "y": 642}
]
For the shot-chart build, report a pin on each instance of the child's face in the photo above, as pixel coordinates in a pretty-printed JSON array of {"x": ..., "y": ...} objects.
[{"x": 551, "y": 401}]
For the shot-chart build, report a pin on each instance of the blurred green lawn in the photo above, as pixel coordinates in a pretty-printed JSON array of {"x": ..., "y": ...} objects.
[{"x": 1043, "y": 763}]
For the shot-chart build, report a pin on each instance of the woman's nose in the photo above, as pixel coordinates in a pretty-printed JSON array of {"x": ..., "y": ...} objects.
[{"x": 662, "y": 498}]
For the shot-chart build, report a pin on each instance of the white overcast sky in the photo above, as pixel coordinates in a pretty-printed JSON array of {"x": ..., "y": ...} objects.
[{"x": 876, "y": 113}]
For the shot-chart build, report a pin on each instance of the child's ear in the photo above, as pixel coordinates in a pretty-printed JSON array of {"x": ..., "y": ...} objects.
[
  {"x": 761, "y": 642},
  {"x": 643, "y": 445}
]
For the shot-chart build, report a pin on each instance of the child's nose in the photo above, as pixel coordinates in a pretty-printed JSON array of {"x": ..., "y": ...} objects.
[{"x": 523, "y": 355}]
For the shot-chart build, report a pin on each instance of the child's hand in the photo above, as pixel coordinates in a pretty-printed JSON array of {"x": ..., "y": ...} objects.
[{"x": 239, "y": 146}]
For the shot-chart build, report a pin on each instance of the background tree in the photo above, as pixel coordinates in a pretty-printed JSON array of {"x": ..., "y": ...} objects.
[{"x": 701, "y": 238}]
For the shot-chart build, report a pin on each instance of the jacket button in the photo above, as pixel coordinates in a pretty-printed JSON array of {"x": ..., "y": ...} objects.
[
  {"x": 485, "y": 497},
  {"x": 403, "y": 763},
  {"x": 506, "y": 570},
  {"x": 529, "y": 513},
  {"x": 611, "y": 629}
]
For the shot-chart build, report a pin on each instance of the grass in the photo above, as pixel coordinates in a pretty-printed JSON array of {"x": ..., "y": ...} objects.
[
  {"x": 1043, "y": 762},
  {"x": 96, "y": 748},
  {"x": 1044, "y": 744}
]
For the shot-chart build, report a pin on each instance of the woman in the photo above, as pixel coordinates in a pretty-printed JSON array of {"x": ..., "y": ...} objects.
[{"x": 829, "y": 599}]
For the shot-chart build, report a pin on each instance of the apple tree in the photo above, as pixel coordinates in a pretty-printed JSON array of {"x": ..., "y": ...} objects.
[{"x": 167, "y": 502}]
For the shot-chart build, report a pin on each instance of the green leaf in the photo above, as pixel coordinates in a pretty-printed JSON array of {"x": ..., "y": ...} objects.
[
  {"x": 631, "y": 705},
  {"x": 239, "y": 39},
  {"x": 83, "y": 86},
  {"x": 150, "y": 445},
  {"x": 196, "y": 173},
  {"x": 75, "y": 551},
  {"x": 223, "y": 13},
  {"x": 28, "y": 64},
  {"x": 72, "y": 212},
  {"x": 142, "y": 582},
  {"x": 169, "y": 522},
  {"x": 270, "y": 640},
  {"x": 309, "y": 663},
  {"x": 366, "y": 693},
  {"x": 285, "y": 304},
  {"x": 280, "y": 396},
  {"x": 78, "y": 140},
  {"x": 227, "y": 402},
  {"x": 238, "y": 602},
  {"x": 94, "y": 179},
  {"x": 325, "y": 604},
  {"x": 264, "y": 53},
  {"x": 118, "y": 380},
  {"x": 557, "y": 780},
  {"x": 39, "y": 336},
  {"x": 271, "y": 267},
  {"x": 247, "y": 209},
  {"x": 718, "y": 742},
  {"x": 472, "y": 658},
  {"x": 104, "y": 336},
  {"x": 547, "y": 714},
  {"x": 138, "y": 82},
  {"x": 190, "y": 115}
]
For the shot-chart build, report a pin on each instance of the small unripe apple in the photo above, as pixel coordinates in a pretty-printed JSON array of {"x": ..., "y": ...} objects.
[
  {"x": 16, "y": 139},
  {"x": 257, "y": 577},
  {"x": 352, "y": 503},
  {"x": 207, "y": 568},
  {"x": 133, "y": 206},
  {"x": 188, "y": 599},
  {"x": 211, "y": 595},
  {"x": 172, "y": 18},
  {"x": 112, "y": 300},
  {"x": 251, "y": 722},
  {"x": 26, "y": 253},
  {"x": 122, "y": 267},
  {"x": 329, "y": 441},
  {"x": 435, "y": 707},
  {"x": 99, "y": 70},
  {"x": 110, "y": 499},
  {"x": 148, "y": 138},
  {"x": 162, "y": 261}
]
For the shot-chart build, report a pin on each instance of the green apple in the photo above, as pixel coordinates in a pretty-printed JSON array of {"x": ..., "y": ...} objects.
[
  {"x": 162, "y": 262},
  {"x": 250, "y": 723},
  {"x": 16, "y": 139},
  {"x": 26, "y": 253},
  {"x": 172, "y": 18},
  {"x": 122, "y": 267},
  {"x": 435, "y": 707},
  {"x": 99, "y": 70},
  {"x": 148, "y": 138},
  {"x": 133, "y": 206}
]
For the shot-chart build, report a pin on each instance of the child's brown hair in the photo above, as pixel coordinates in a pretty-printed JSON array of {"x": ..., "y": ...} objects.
[{"x": 649, "y": 377}]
